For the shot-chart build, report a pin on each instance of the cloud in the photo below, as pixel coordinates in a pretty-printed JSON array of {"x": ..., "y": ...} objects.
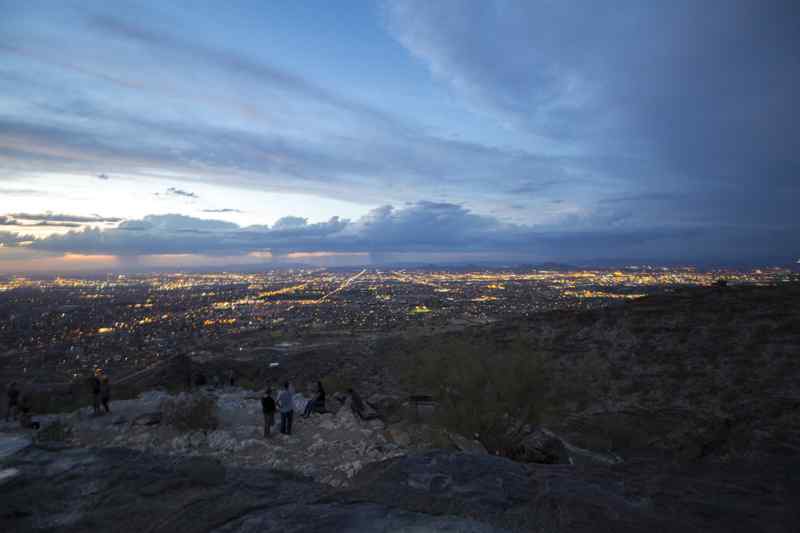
[
  {"x": 223, "y": 210},
  {"x": 700, "y": 94},
  {"x": 534, "y": 187},
  {"x": 645, "y": 197},
  {"x": 103, "y": 177},
  {"x": 174, "y": 192},
  {"x": 8, "y": 238},
  {"x": 232, "y": 62},
  {"x": 53, "y": 217},
  {"x": 423, "y": 227},
  {"x": 22, "y": 192}
]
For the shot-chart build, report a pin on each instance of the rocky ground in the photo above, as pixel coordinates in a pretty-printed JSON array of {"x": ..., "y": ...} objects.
[
  {"x": 77, "y": 489},
  {"x": 329, "y": 447}
]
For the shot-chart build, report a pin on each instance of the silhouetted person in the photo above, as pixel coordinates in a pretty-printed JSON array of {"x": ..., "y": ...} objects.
[
  {"x": 94, "y": 383},
  {"x": 232, "y": 378},
  {"x": 268, "y": 409},
  {"x": 13, "y": 401},
  {"x": 26, "y": 412},
  {"x": 318, "y": 402},
  {"x": 286, "y": 405},
  {"x": 105, "y": 392},
  {"x": 199, "y": 380}
]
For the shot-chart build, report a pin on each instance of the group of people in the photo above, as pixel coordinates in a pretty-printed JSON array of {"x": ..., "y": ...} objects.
[{"x": 285, "y": 405}]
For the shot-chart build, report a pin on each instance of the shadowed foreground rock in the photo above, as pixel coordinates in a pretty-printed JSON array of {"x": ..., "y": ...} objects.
[
  {"x": 79, "y": 489},
  {"x": 631, "y": 497}
]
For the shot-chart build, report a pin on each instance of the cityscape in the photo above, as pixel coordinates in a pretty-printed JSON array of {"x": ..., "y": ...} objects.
[{"x": 61, "y": 328}]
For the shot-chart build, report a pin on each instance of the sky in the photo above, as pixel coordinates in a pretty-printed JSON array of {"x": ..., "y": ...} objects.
[{"x": 170, "y": 134}]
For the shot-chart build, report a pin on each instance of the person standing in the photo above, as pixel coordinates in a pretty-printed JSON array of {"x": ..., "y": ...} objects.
[
  {"x": 94, "y": 382},
  {"x": 13, "y": 401},
  {"x": 268, "y": 409},
  {"x": 286, "y": 405},
  {"x": 105, "y": 392}
]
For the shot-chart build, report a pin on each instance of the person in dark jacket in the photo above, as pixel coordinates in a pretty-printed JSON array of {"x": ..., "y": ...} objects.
[
  {"x": 268, "y": 409},
  {"x": 318, "y": 402},
  {"x": 94, "y": 383},
  {"x": 13, "y": 401},
  {"x": 105, "y": 392}
]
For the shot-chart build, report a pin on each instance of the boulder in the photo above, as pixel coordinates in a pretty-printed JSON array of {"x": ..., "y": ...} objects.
[
  {"x": 389, "y": 408},
  {"x": 540, "y": 446},
  {"x": 466, "y": 445}
]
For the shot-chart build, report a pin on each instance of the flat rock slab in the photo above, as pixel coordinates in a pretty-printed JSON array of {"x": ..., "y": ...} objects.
[{"x": 11, "y": 444}]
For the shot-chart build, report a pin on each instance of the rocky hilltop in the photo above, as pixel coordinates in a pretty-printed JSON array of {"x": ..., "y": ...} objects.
[{"x": 671, "y": 413}]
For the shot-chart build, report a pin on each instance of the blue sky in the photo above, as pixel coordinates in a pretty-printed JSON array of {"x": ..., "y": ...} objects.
[{"x": 529, "y": 131}]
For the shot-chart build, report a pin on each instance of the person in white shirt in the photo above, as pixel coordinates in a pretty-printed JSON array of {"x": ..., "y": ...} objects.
[{"x": 286, "y": 406}]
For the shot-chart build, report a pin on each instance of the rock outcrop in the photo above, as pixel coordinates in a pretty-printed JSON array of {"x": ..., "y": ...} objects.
[{"x": 228, "y": 425}]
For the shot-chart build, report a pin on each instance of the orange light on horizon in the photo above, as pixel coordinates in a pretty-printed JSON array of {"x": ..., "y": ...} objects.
[{"x": 72, "y": 257}]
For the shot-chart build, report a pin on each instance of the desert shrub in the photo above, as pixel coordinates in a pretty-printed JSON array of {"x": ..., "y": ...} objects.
[
  {"x": 54, "y": 432},
  {"x": 336, "y": 383},
  {"x": 479, "y": 390},
  {"x": 190, "y": 412}
]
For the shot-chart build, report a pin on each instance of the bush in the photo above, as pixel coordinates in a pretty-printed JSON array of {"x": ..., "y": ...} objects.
[
  {"x": 481, "y": 391},
  {"x": 190, "y": 412}
]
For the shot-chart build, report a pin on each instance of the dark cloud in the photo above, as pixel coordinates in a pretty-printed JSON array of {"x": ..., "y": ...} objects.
[
  {"x": 103, "y": 177},
  {"x": 53, "y": 217},
  {"x": 701, "y": 95},
  {"x": 49, "y": 224},
  {"x": 223, "y": 210},
  {"x": 424, "y": 227}
]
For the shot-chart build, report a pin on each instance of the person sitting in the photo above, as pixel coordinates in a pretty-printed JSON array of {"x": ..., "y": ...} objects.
[{"x": 318, "y": 402}]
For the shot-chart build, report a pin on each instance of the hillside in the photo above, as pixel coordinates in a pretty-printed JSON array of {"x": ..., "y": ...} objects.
[{"x": 711, "y": 373}]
